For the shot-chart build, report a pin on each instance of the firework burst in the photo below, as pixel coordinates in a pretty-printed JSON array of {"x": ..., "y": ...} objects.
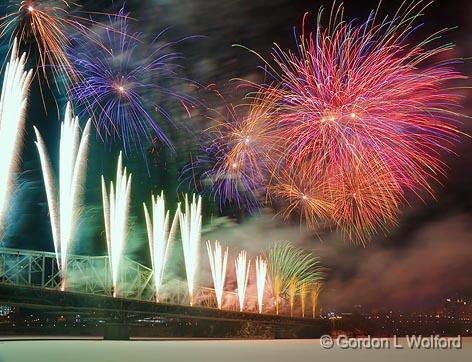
[
  {"x": 121, "y": 79},
  {"x": 310, "y": 201},
  {"x": 366, "y": 196},
  {"x": 239, "y": 152},
  {"x": 45, "y": 27},
  {"x": 351, "y": 90}
]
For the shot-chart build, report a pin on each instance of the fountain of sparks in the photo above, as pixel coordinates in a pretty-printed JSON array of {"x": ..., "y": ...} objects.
[
  {"x": 190, "y": 230},
  {"x": 64, "y": 206},
  {"x": 242, "y": 266},
  {"x": 303, "y": 292},
  {"x": 218, "y": 263},
  {"x": 278, "y": 291},
  {"x": 292, "y": 290},
  {"x": 315, "y": 293},
  {"x": 159, "y": 237},
  {"x": 115, "y": 212},
  {"x": 13, "y": 104},
  {"x": 261, "y": 271}
]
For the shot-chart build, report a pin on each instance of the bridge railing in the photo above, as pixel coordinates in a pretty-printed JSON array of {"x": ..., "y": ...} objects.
[
  {"x": 86, "y": 274},
  {"x": 92, "y": 275}
]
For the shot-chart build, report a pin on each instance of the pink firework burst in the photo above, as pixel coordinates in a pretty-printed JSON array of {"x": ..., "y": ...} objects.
[{"x": 351, "y": 90}]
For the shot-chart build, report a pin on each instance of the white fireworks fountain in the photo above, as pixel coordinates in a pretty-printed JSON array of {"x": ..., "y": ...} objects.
[
  {"x": 159, "y": 237},
  {"x": 261, "y": 271},
  {"x": 190, "y": 230},
  {"x": 218, "y": 262},
  {"x": 242, "y": 273},
  {"x": 64, "y": 206},
  {"x": 13, "y": 104},
  {"x": 115, "y": 212}
]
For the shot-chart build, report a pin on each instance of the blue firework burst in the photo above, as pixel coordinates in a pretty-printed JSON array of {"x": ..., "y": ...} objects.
[{"x": 125, "y": 82}]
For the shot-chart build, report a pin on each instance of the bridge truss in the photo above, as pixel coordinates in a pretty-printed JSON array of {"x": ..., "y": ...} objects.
[{"x": 85, "y": 274}]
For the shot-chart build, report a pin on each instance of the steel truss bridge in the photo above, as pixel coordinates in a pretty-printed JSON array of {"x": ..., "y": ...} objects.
[
  {"x": 31, "y": 279},
  {"x": 85, "y": 274}
]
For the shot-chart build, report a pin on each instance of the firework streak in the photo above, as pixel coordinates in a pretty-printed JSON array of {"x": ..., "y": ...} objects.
[
  {"x": 243, "y": 266},
  {"x": 218, "y": 261},
  {"x": 13, "y": 104},
  {"x": 115, "y": 212},
  {"x": 261, "y": 270},
  {"x": 159, "y": 237},
  {"x": 64, "y": 205},
  {"x": 46, "y": 25},
  {"x": 190, "y": 231}
]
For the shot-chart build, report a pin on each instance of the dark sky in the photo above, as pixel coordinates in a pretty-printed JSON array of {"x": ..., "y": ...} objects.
[{"x": 424, "y": 259}]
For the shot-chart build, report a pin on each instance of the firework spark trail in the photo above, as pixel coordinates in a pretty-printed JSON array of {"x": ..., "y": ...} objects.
[
  {"x": 315, "y": 293},
  {"x": 190, "y": 230},
  {"x": 121, "y": 79},
  {"x": 311, "y": 201},
  {"x": 277, "y": 292},
  {"x": 292, "y": 291},
  {"x": 261, "y": 271},
  {"x": 303, "y": 292},
  {"x": 115, "y": 212},
  {"x": 288, "y": 268},
  {"x": 47, "y": 25},
  {"x": 243, "y": 266},
  {"x": 365, "y": 202},
  {"x": 218, "y": 263},
  {"x": 159, "y": 237},
  {"x": 64, "y": 204},
  {"x": 13, "y": 104}
]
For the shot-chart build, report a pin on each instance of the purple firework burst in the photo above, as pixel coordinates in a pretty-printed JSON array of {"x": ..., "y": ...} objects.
[{"x": 125, "y": 82}]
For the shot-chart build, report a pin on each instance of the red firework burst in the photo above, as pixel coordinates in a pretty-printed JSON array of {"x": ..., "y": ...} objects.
[{"x": 368, "y": 110}]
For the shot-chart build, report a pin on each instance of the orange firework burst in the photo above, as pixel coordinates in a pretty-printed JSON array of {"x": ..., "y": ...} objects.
[
  {"x": 241, "y": 150},
  {"x": 45, "y": 26},
  {"x": 366, "y": 197},
  {"x": 365, "y": 116},
  {"x": 309, "y": 200}
]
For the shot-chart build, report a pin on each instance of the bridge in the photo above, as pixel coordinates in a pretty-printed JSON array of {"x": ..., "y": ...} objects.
[{"x": 30, "y": 281}]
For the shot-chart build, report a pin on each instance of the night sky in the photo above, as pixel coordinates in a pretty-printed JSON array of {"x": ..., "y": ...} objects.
[{"x": 426, "y": 258}]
